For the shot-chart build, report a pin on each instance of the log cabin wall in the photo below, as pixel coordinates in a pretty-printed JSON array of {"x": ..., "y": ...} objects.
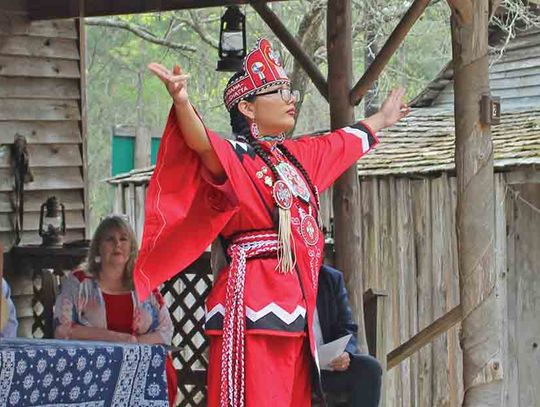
[
  {"x": 40, "y": 99},
  {"x": 409, "y": 251}
]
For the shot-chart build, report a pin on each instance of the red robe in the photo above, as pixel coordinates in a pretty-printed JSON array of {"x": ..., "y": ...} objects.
[{"x": 185, "y": 212}]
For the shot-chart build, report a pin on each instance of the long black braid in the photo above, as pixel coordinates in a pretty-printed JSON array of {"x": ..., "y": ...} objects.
[{"x": 240, "y": 128}]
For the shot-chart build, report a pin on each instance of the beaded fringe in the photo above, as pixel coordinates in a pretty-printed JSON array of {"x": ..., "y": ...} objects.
[{"x": 285, "y": 255}]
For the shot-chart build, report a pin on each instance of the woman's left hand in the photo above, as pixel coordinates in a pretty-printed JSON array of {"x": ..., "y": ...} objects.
[{"x": 392, "y": 110}]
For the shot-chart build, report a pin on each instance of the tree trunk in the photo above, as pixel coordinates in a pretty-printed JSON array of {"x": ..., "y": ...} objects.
[
  {"x": 481, "y": 326},
  {"x": 347, "y": 189}
]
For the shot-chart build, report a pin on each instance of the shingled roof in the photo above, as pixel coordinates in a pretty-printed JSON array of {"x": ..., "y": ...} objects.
[{"x": 424, "y": 142}]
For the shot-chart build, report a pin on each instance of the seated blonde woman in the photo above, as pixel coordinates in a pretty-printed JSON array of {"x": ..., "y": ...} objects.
[{"x": 97, "y": 300}]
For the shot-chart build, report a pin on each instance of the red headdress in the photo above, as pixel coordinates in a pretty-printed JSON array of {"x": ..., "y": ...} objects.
[{"x": 262, "y": 69}]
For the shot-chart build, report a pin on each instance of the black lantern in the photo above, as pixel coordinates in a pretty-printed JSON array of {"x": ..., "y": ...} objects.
[
  {"x": 232, "y": 40},
  {"x": 52, "y": 222}
]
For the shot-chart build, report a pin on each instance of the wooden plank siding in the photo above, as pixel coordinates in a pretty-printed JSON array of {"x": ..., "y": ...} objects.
[
  {"x": 40, "y": 99},
  {"x": 514, "y": 76},
  {"x": 18, "y": 24},
  {"x": 410, "y": 252},
  {"x": 526, "y": 305}
]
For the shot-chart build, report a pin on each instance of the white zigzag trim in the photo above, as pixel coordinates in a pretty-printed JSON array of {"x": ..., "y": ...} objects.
[
  {"x": 235, "y": 143},
  {"x": 361, "y": 135},
  {"x": 218, "y": 309},
  {"x": 275, "y": 309},
  {"x": 271, "y": 308}
]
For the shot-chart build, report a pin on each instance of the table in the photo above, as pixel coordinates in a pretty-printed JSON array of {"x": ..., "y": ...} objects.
[{"x": 39, "y": 372}]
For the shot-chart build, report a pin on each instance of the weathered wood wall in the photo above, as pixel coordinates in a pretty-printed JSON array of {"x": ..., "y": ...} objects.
[
  {"x": 40, "y": 98},
  {"x": 409, "y": 246},
  {"x": 409, "y": 251},
  {"x": 522, "y": 289}
]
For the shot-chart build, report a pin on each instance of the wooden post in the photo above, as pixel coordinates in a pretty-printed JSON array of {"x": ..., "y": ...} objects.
[
  {"x": 142, "y": 147},
  {"x": 481, "y": 326},
  {"x": 83, "y": 124},
  {"x": 347, "y": 189}
]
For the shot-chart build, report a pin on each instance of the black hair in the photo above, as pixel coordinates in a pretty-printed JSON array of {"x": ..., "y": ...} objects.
[{"x": 240, "y": 128}]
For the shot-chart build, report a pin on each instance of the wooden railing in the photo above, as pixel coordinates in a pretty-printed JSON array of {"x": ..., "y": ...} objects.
[{"x": 422, "y": 338}]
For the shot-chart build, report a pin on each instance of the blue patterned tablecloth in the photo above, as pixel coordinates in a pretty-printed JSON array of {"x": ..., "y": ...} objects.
[{"x": 76, "y": 373}]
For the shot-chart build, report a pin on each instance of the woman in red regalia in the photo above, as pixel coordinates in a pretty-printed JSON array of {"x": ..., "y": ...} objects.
[{"x": 260, "y": 194}]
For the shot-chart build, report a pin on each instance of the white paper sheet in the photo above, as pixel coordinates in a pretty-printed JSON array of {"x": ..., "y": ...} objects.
[{"x": 331, "y": 350}]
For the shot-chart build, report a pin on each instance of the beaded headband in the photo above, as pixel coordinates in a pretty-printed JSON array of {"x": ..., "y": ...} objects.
[{"x": 262, "y": 69}]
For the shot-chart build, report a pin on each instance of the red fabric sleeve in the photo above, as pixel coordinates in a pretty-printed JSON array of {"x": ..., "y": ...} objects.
[
  {"x": 328, "y": 156},
  {"x": 184, "y": 213}
]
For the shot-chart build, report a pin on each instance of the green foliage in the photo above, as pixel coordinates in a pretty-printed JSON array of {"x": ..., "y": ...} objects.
[{"x": 122, "y": 92}]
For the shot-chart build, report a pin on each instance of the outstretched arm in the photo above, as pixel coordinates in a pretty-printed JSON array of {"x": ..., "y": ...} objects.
[{"x": 189, "y": 122}]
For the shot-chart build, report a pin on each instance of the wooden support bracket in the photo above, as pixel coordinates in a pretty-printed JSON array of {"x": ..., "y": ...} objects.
[
  {"x": 424, "y": 337},
  {"x": 374, "y": 322},
  {"x": 387, "y": 51},
  {"x": 275, "y": 24}
]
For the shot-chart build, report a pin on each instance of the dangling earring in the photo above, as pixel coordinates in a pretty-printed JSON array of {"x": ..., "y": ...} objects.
[
  {"x": 255, "y": 131},
  {"x": 97, "y": 259}
]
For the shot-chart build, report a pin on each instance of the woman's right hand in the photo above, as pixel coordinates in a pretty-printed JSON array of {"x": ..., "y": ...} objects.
[{"x": 175, "y": 81}]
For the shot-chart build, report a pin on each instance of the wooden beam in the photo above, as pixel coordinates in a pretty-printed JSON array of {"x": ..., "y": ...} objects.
[
  {"x": 55, "y": 9},
  {"x": 523, "y": 176},
  {"x": 423, "y": 337},
  {"x": 83, "y": 123},
  {"x": 388, "y": 50},
  {"x": 482, "y": 326},
  {"x": 461, "y": 9},
  {"x": 346, "y": 191},
  {"x": 275, "y": 24}
]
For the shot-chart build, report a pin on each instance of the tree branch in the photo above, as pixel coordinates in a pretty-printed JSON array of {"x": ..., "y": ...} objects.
[
  {"x": 140, "y": 32},
  {"x": 194, "y": 24},
  {"x": 309, "y": 36}
]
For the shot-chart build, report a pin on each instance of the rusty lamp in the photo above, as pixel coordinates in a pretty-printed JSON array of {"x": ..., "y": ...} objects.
[
  {"x": 232, "y": 40},
  {"x": 52, "y": 222}
]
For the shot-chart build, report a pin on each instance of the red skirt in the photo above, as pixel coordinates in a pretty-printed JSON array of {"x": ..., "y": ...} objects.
[{"x": 277, "y": 371}]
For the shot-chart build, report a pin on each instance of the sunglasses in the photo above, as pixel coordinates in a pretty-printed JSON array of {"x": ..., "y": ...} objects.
[{"x": 286, "y": 94}]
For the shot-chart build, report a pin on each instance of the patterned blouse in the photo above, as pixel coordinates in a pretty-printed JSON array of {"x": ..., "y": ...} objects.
[{"x": 81, "y": 302}]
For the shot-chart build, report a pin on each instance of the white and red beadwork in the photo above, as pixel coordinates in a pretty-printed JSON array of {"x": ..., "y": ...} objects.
[
  {"x": 292, "y": 178},
  {"x": 254, "y": 130},
  {"x": 232, "y": 392},
  {"x": 309, "y": 229},
  {"x": 282, "y": 195}
]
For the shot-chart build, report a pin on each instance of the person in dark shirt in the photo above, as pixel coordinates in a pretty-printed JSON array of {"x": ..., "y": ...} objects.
[{"x": 358, "y": 375}]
